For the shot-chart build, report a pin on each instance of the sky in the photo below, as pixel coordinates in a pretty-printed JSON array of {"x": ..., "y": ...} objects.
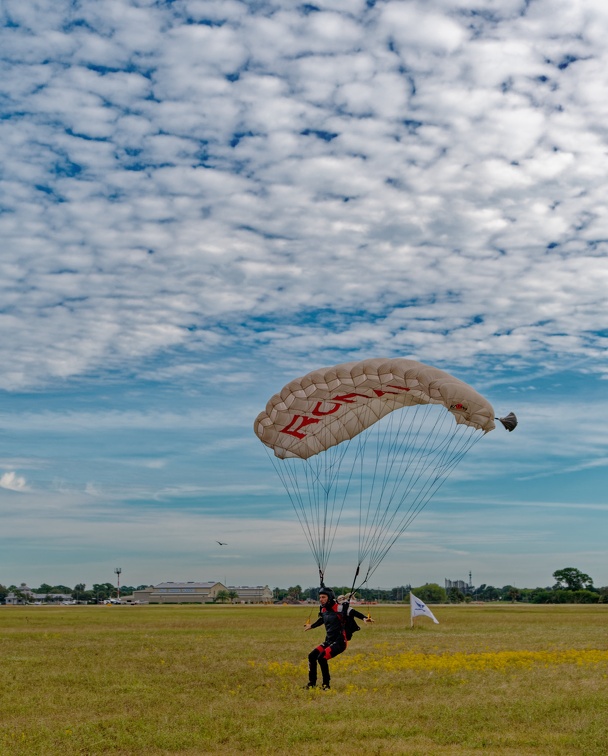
[{"x": 201, "y": 200}]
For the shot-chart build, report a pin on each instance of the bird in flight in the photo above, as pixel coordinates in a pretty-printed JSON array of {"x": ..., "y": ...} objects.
[{"x": 222, "y": 544}]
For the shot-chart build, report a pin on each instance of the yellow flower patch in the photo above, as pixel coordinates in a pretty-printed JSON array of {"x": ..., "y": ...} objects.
[{"x": 456, "y": 662}]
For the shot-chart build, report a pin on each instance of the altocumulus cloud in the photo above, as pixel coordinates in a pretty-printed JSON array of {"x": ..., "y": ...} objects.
[{"x": 182, "y": 177}]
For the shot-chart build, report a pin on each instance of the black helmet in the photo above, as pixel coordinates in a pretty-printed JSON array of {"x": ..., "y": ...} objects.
[{"x": 331, "y": 596}]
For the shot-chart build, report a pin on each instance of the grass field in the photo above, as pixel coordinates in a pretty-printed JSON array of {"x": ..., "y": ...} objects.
[{"x": 224, "y": 680}]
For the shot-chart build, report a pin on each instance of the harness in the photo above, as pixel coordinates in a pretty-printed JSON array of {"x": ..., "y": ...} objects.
[{"x": 334, "y": 623}]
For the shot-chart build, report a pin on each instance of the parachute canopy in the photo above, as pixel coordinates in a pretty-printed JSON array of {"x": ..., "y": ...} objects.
[
  {"x": 331, "y": 405},
  {"x": 367, "y": 444}
]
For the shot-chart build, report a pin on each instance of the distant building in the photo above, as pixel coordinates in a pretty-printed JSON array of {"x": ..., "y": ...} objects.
[
  {"x": 30, "y": 597},
  {"x": 461, "y": 585},
  {"x": 192, "y": 592},
  {"x": 13, "y": 599},
  {"x": 249, "y": 594}
]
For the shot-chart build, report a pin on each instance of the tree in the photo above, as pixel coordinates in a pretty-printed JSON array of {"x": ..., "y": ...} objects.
[
  {"x": 509, "y": 592},
  {"x": 79, "y": 590},
  {"x": 61, "y": 589},
  {"x": 540, "y": 596},
  {"x": 585, "y": 597},
  {"x": 514, "y": 594},
  {"x": 400, "y": 592},
  {"x": 455, "y": 596},
  {"x": 103, "y": 591},
  {"x": 3, "y": 593},
  {"x": 430, "y": 593},
  {"x": 233, "y": 595},
  {"x": 572, "y": 579},
  {"x": 222, "y": 596},
  {"x": 489, "y": 593}
]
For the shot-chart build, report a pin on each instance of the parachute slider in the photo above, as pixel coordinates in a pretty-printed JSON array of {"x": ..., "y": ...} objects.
[{"x": 509, "y": 421}]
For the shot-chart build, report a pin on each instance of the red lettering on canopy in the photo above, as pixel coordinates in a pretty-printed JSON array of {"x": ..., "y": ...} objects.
[
  {"x": 299, "y": 422},
  {"x": 348, "y": 398},
  {"x": 317, "y": 410},
  {"x": 296, "y": 430}
]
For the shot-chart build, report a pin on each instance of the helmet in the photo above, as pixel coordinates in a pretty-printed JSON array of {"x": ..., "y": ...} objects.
[{"x": 331, "y": 596}]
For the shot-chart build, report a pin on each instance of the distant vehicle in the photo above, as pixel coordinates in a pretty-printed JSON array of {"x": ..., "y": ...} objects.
[{"x": 112, "y": 601}]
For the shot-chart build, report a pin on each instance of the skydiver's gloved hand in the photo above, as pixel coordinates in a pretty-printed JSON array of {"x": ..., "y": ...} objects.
[
  {"x": 307, "y": 626},
  {"x": 369, "y": 619}
]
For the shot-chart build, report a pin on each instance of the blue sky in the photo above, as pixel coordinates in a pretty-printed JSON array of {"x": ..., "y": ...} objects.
[{"x": 201, "y": 200}]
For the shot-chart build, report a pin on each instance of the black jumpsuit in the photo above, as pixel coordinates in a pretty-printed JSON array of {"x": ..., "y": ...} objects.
[{"x": 334, "y": 643}]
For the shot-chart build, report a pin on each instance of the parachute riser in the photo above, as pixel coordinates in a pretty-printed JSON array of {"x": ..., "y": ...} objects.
[{"x": 351, "y": 593}]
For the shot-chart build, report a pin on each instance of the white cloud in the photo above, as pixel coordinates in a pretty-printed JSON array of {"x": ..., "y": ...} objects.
[
  {"x": 162, "y": 174},
  {"x": 13, "y": 482},
  {"x": 203, "y": 193}
]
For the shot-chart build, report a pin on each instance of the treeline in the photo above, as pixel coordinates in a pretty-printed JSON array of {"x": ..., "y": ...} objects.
[
  {"x": 55, "y": 593},
  {"x": 431, "y": 593},
  {"x": 297, "y": 593},
  {"x": 571, "y": 587}
]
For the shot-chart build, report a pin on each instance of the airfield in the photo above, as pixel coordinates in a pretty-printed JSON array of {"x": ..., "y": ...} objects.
[{"x": 492, "y": 678}]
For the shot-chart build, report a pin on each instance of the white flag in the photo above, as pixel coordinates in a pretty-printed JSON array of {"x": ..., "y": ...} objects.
[{"x": 420, "y": 609}]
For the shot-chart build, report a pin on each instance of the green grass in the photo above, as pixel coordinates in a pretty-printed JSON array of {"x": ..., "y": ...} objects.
[{"x": 209, "y": 679}]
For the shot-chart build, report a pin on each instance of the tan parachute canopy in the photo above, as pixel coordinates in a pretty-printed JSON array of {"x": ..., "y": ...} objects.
[
  {"x": 331, "y": 405},
  {"x": 366, "y": 445}
]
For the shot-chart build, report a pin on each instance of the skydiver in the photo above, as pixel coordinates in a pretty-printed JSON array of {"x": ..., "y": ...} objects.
[{"x": 331, "y": 615}]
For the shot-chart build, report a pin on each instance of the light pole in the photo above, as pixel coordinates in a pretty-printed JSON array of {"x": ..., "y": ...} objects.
[{"x": 118, "y": 570}]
